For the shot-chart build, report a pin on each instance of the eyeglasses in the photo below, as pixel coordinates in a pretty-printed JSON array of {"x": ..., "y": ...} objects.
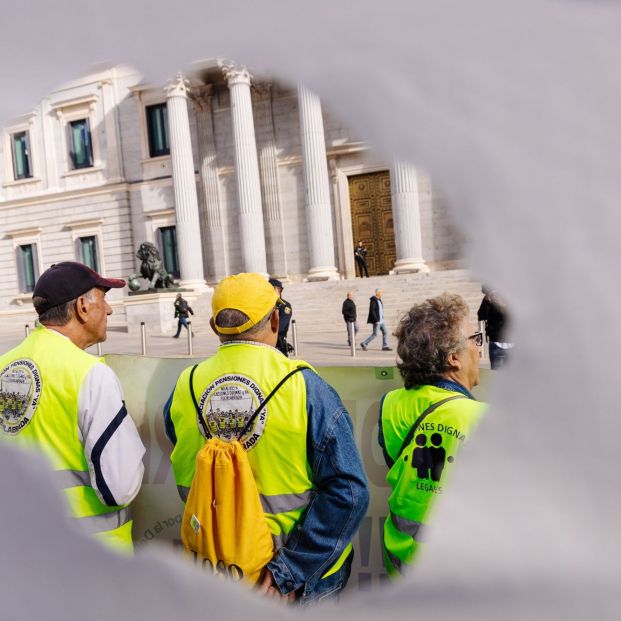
[{"x": 478, "y": 338}]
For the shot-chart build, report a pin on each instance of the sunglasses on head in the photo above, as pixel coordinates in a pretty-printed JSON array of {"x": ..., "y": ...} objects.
[{"x": 478, "y": 338}]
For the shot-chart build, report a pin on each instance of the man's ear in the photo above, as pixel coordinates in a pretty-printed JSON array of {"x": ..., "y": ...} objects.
[
  {"x": 213, "y": 326},
  {"x": 454, "y": 361},
  {"x": 275, "y": 321},
  {"x": 81, "y": 309}
]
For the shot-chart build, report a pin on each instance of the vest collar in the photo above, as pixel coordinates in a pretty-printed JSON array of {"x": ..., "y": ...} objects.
[
  {"x": 242, "y": 342},
  {"x": 448, "y": 384},
  {"x": 50, "y": 329}
]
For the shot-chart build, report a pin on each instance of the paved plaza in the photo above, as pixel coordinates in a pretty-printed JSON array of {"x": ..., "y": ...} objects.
[{"x": 319, "y": 349}]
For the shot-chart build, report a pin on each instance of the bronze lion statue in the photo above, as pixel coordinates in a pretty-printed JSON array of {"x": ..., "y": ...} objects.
[{"x": 152, "y": 269}]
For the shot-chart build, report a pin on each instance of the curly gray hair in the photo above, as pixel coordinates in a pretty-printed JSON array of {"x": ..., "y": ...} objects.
[{"x": 427, "y": 335}]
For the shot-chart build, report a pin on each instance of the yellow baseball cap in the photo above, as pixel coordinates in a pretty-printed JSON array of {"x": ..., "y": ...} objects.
[{"x": 249, "y": 293}]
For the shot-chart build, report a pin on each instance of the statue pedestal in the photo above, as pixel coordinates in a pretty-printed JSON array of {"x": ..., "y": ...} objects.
[{"x": 156, "y": 309}]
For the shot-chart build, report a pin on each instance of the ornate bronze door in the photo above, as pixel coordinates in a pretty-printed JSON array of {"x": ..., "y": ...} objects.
[{"x": 372, "y": 221}]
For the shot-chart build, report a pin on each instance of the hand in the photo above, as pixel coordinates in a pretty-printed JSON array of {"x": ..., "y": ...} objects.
[{"x": 267, "y": 586}]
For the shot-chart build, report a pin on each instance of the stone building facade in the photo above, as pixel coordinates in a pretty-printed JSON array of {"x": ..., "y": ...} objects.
[{"x": 223, "y": 171}]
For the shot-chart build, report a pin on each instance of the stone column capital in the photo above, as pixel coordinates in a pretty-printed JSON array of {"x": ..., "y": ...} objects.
[
  {"x": 236, "y": 74},
  {"x": 202, "y": 98},
  {"x": 263, "y": 90},
  {"x": 177, "y": 87}
]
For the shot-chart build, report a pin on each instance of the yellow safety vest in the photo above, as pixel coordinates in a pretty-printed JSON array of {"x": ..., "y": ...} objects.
[
  {"x": 229, "y": 387},
  {"x": 418, "y": 476},
  {"x": 40, "y": 382}
]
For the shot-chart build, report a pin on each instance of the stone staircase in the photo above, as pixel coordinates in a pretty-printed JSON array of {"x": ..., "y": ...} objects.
[{"x": 317, "y": 305}]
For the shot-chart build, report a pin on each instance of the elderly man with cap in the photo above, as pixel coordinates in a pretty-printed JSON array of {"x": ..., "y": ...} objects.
[
  {"x": 284, "y": 318},
  {"x": 71, "y": 405},
  {"x": 301, "y": 449}
]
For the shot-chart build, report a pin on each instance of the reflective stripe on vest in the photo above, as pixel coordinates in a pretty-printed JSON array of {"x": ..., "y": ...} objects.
[
  {"x": 278, "y": 503},
  {"x": 183, "y": 492},
  {"x": 279, "y": 541},
  {"x": 394, "y": 560},
  {"x": 53, "y": 430},
  {"x": 409, "y": 527},
  {"x": 93, "y": 524},
  {"x": 72, "y": 478},
  {"x": 282, "y": 503}
]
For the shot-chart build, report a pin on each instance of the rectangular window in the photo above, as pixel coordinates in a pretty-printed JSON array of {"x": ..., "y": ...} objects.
[
  {"x": 87, "y": 251},
  {"x": 27, "y": 267},
  {"x": 80, "y": 147},
  {"x": 168, "y": 246},
  {"x": 157, "y": 130},
  {"x": 20, "y": 146}
]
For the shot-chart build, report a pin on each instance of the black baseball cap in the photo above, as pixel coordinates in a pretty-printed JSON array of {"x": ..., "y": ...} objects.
[
  {"x": 68, "y": 280},
  {"x": 275, "y": 283}
]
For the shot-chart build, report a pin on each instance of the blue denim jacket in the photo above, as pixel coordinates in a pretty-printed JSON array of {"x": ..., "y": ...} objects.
[{"x": 338, "y": 505}]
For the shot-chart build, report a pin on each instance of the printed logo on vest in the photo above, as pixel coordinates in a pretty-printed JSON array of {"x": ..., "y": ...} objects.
[
  {"x": 20, "y": 390},
  {"x": 227, "y": 405}
]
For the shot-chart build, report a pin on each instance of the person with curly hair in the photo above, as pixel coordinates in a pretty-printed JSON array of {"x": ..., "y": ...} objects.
[{"x": 423, "y": 425}]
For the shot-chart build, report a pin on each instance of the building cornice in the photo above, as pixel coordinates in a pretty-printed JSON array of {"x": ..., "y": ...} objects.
[
  {"x": 89, "y": 100},
  {"x": 81, "y": 224},
  {"x": 160, "y": 213},
  {"x": 63, "y": 195},
  {"x": 30, "y": 231}
]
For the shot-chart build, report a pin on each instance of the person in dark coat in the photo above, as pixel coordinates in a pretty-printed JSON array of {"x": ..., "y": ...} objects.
[
  {"x": 493, "y": 311},
  {"x": 284, "y": 315},
  {"x": 349, "y": 315},
  {"x": 360, "y": 252},
  {"x": 376, "y": 318},
  {"x": 182, "y": 312}
]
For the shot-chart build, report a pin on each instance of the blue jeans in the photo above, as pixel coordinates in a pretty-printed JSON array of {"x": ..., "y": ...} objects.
[
  {"x": 382, "y": 327},
  {"x": 183, "y": 321},
  {"x": 497, "y": 356},
  {"x": 347, "y": 330}
]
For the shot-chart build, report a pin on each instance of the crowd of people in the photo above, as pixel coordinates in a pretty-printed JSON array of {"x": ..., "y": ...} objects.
[{"x": 305, "y": 463}]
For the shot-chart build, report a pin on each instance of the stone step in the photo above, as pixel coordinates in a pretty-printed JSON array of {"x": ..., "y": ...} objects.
[{"x": 317, "y": 305}]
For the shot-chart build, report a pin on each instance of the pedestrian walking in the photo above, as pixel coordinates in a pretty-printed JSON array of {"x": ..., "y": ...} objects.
[
  {"x": 360, "y": 252},
  {"x": 376, "y": 318},
  {"x": 349, "y": 315},
  {"x": 182, "y": 311}
]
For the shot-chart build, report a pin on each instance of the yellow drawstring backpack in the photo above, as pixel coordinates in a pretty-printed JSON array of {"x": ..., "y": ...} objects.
[{"x": 224, "y": 527}]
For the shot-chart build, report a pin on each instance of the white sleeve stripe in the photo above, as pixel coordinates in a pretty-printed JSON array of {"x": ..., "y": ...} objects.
[{"x": 102, "y": 486}]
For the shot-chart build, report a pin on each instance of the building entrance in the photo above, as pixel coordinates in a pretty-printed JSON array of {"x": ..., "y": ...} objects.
[{"x": 372, "y": 221}]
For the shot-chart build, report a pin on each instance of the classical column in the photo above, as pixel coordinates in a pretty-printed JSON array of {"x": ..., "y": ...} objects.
[
  {"x": 215, "y": 251},
  {"x": 317, "y": 188},
  {"x": 114, "y": 156},
  {"x": 246, "y": 170},
  {"x": 406, "y": 213},
  {"x": 342, "y": 219},
  {"x": 184, "y": 186},
  {"x": 270, "y": 184}
]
